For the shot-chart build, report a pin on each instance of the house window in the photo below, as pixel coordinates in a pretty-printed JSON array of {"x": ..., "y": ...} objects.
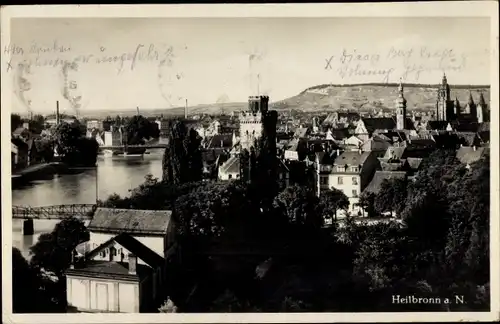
[
  {"x": 340, "y": 180},
  {"x": 354, "y": 193},
  {"x": 354, "y": 169},
  {"x": 229, "y": 176},
  {"x": 114, "y": 252},
  {"x": 354, "y": 180},
  {"x": 323, "y": 180}
]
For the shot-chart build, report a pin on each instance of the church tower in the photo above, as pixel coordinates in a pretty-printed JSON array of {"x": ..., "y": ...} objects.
[
  {"x": 481, "y": 109},
  {"x": 401, "y": 108},
  {"x": 445, "y": 106}
]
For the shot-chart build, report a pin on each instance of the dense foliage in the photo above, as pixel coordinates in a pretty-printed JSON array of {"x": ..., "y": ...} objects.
[
  {"x": 73, "y": 147},
  {"x": 39, "y": 286},
  {"x": 182, "y": 160},
  {"x": 138, "y": 129}
]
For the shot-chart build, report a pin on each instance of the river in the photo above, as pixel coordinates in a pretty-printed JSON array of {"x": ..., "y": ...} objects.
[{"x": 114, "y": 175}]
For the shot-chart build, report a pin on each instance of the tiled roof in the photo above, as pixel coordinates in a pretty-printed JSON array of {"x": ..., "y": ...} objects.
[
  {"x": 232, "y": 165},
  {"x": 373, "y": 124},
  {"x": 468, "y": 138},
  {"x": 390, "y": 166},
  {"x": 465, "y": 126},
  {"x": 394, "y": 152},
  {"x": 300, "y": 132},
  {"x": 484, "y": 127},
  {"x": 380, "y": 176},
  {"x": 220, "y": 140},
  {"x": 414, "y": 163},
  {"x": 135, "y": 247},
  {"x": 110, "y": 269},
  {"x": 468, "y": 155},
  {"x": 132, "y": 221},
  {"x": 352, "y": 158},
  {"x": 437, "y": 125}
]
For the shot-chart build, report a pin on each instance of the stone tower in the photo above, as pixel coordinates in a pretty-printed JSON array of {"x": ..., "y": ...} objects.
[
  {"x": 400, "y": 108},
  {"x": 445, "y": 106},
  {"x": 251, "y": 121}
]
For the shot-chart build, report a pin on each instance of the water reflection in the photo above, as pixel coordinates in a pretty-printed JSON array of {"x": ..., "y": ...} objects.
[{"x": 114, "y": 175}]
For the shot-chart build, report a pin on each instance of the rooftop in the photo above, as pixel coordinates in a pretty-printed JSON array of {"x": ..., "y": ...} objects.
[{"x": 132, "y": 221}]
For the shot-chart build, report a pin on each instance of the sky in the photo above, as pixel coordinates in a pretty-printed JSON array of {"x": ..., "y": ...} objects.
[{"x": 123, "y": 63}]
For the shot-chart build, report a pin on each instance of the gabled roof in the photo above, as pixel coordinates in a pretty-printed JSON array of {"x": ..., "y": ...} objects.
[
  {"x": 301, "y": 132},
  {"x": 468, "y": 154},
  {"x": 389, "y": 165},
  {"x": 379, "y": 176},
  {"x": 131, "y": 221},
  {"x": 232, "y": 165},
  {"x": 220, "y": 140},
  {"x": 352, "y": 158},
  {"x": 373, "y": 124},
  {"x": 468, "y": 138},
  {"x": 394, "y": 152},
  {"x": 484, "y": 127},
  {"x": 414, "y": 163},
  {"x": 135, "y": 247}
]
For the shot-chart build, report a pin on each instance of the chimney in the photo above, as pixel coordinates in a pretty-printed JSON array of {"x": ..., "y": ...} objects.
[
  {"x": 186, "y": 110},
  {"x": 57, "y": 112},
  {"x": 132, "y": 264},
  {"x": 474, "y": 147}
]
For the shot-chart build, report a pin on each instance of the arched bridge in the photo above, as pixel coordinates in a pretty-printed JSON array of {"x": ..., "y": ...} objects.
[{"x": 80, "y": 211}]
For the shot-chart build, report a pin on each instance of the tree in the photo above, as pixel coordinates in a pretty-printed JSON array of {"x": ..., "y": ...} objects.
[
  {"x": 138, "y": 129},
  {"x": 45, "y": 149},
  {"x": 15, "y": 122},
  {"x": 182, "y": 160},
  {"x": 391, "y": 197},
  {"x": 53, "y": 251},
  {"x": 37, "y": 124},
  {"x": 367, "y": 202},
  {"x": 73, "y": 147},
  {"x": 331, "y": 201},
  {"x": 299, "y": 205},
  {"x": 228, "y": 302},
  {"x": 25, "y": 285},
  {"x": 210, "y": 209}
]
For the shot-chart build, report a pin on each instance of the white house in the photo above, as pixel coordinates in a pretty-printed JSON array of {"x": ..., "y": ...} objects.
[{"x": 121, "y": 275}]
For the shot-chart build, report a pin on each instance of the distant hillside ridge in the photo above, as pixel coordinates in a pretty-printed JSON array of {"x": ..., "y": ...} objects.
[
  {"x": 406, "y": 85},
  {"x": 369, "y": 96}
]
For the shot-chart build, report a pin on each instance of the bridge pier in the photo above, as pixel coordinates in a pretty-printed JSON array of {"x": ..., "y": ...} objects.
[{"x": 28, "y": 227}]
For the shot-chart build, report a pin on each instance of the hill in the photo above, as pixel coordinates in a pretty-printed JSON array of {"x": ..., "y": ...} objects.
[
  {"x": 369, "y": 96},
  {"x": 328, "y": 97}
]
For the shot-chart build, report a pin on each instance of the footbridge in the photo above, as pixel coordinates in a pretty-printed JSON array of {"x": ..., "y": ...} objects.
[{"x": 29, "y": 214}]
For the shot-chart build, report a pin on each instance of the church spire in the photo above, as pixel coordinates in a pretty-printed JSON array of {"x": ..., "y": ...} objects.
[
  {"x": 400, "y": 107},
  {"x": 482, "y": 102},
  {"x": 471, "y": 100}
]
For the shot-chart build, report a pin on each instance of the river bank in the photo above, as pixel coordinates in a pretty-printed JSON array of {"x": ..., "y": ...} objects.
[{"x": 42, "y": 171}]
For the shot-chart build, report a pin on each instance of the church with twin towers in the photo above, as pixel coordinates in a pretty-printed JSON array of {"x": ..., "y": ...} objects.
[{"x": 446, "y": 109}]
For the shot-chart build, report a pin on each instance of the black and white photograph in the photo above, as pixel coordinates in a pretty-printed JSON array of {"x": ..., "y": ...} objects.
[{"x": 250, "y": 160}]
